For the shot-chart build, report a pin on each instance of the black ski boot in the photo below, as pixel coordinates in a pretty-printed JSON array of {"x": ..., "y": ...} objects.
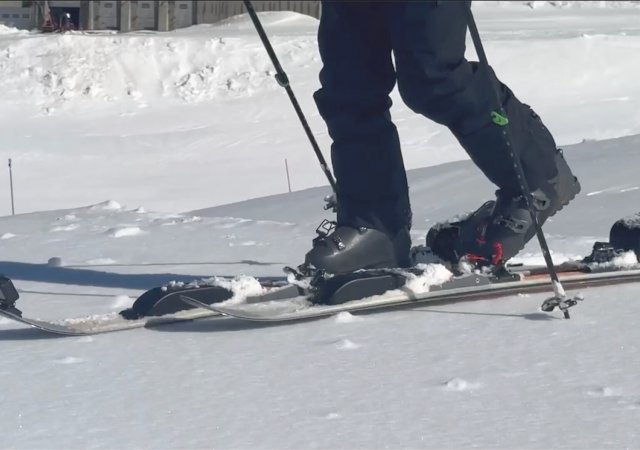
[
  {"x": 344, "y": 249},
  {"x": 499, "y": 229},
  {"x": 8, "y": 296},
  {"x": 625, "y": 234}
]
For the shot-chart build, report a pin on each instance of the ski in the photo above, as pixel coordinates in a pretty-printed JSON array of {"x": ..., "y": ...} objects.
[
  {"x": 155, "y": 307},
  {"x": 104, "y": 323},
  {"x": 278, "y": 299},
  {"x": 472, "y": 287}
]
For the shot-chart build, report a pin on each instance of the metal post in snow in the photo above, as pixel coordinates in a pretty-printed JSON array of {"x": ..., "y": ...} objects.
[
  {"x": 13, "y": 209},
  {"x": 286, "y": 166}
]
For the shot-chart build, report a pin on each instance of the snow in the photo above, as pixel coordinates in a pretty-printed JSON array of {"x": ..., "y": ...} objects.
[
  {"x": 432, "y": 275},
  {"x": 163, "y": 115},
  {"x": 142, "y": 181}
]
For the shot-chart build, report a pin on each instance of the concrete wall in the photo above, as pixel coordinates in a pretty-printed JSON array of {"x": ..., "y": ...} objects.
[
  {"x": 128, "y": 15},
  {"x": 184, "y": 13},
  {"x": 16, "y": 16}
]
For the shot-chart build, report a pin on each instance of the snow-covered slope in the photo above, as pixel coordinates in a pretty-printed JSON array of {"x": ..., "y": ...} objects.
[
  {"x": 185, "y": 120},
  {"x": 397, "y": 379},
  {"x": 488, "y": 374}
]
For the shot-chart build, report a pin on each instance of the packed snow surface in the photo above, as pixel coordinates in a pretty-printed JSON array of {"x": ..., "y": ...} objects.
[{"x": 125, "y": 146}]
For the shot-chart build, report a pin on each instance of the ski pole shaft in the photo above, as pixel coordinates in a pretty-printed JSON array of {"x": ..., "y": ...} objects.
[
  {"x": 283, "y": 80},
  {"x": 517, "y": 164},
  {"x": 13, "y": 209}
]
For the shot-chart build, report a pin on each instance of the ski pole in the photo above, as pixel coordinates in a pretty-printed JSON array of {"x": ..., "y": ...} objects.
[
  {"x": 13, "y": 208},
  {"x": 560, "y": 299},
  {"x": 283, "y": 80}
]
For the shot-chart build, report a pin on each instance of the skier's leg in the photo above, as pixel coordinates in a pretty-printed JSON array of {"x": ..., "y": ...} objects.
[
  {"x": 356, "y": 78},
  {"x": 436, "y": 80}
]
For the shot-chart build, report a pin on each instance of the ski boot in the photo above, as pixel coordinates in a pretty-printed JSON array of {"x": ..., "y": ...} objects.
[
  {"x": 625, "y": 234},
  {"x": 8, "y": 296},
  {"x": 344, "y": 249},
  {"x": 499, "y": 229}
]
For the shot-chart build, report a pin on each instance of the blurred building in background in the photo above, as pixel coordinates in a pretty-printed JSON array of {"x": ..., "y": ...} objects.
[{"x": 131, "y": 15}]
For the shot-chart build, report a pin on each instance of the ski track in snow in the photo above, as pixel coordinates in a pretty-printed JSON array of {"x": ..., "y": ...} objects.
[{"x": 167, "y": 125}]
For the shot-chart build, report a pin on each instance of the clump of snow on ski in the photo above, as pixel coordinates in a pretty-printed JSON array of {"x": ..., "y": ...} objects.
[
  {"x": 624, "y": 261},
  {"x": 111, "y": 322},
  {"x": 432, "y": 275},
  {"x": 242, "y": 287},
  {"x": 417, "y": 284}
]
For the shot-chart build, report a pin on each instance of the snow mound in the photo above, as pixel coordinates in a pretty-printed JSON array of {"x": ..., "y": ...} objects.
[
  {"x": 69, "y": 227},
  {"x": 271, "y": 20},
  {"x": 68, "y": 360},
  {"x": 108, "y": 205},
  {"x": 125, "y": 232},
  {"x": 7, "y": 30},
  {"x": 346, "y": 344},
  {"x": 347, "y": 317},
  {"x": 195, "y": 65},
  {"x": 535, "y": 4},
  {"x": 459, "y": 385}
]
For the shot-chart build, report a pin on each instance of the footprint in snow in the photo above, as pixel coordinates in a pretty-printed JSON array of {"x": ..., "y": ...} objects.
[
  {"x": 68, "y": 360},
  {"x": 458, "y": 385}
]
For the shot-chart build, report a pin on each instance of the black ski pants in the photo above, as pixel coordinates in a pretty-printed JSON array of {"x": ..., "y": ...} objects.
[{"x": 427, "y": 41}]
